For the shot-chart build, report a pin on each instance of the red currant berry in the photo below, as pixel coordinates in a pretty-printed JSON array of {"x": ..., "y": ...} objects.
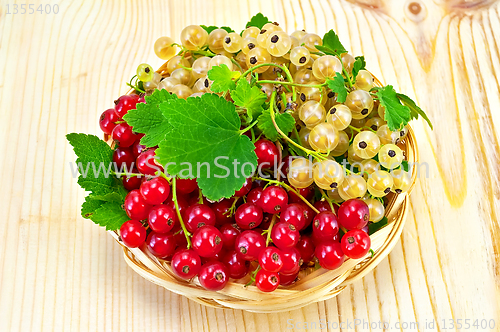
[
  {"x": 294, "y": 214},
  {"x": 244, "y": 189},
  {"x": 259, "y": 184},
  {"x": 330, "y": 255},
  {"x": 266, "y": 221},
  {"x": 237, "y": 267},
  {"x": 270, "y": 259},
  {"x": 254, "y": 195},
  {"x": 217, "y": 257},
  {"x": 291, "y": 261},
  {"x": 323, "y": 206},
  {"x": 161, "y": 245},
  {"x": 267, "y": 153},
  {"x": 309, "y": 214},
  {"x": 288, "y": 279},
  {"x": 325, "y": 226},
  {"x": 249, "y": 244},
  {"x": 107, "y": 121},
  {"x": 207, "y": 241},
  {"x": 181, "y": 202},
  {"x": 124, "y": 158},
  {"x": 186, "y": 263},
  {"x": 267, "y": 281},
  {"x": 307, "y": 193},
  {"x": 133, "y": 234},
  {"x": 248, "y": 216},
  {"x": 162, "y": 218},
  {"x": 355, "y": 243},
  {"x": 213, "y": 276},
  {"x": 186, "y": 186},
  {"x": 306, "y": 248},
  {"x": 229, "y": 234},
  {"x": 123, "y": 135},
  {"x": 135, "y": 206},
  {"x": 137, "y": 147},
  {"x": 354, "y": 214},
  {"x": 198, "y": 215},
  {"x": 146, "y": 163},
  {"x": 133, "y": 182},
  {"x": 273, "y": 199},
  {"x": 285, "y": 235},
  {"x": 124, "y": 104},
  {"x": 222, "y": 212},
  {"x": 180, "y": 238},
  {"x": 155, "y": 191}
]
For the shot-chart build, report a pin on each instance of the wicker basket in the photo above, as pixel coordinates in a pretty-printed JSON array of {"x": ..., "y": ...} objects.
[{"x": 312, "y": 286}]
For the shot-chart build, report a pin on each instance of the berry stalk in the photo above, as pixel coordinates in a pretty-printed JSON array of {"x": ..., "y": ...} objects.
[
  {"x": 174, "y": 199},
  {"x": 317, "y": 155}
]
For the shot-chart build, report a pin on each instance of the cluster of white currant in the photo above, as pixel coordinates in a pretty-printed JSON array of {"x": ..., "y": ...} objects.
[{"x": 355, "y": 128}]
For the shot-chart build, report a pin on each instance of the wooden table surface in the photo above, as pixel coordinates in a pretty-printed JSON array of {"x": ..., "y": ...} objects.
[{"x": 58, "y": 72}]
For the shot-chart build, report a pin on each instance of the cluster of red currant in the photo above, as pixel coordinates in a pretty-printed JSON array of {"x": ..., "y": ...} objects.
[{"x": 263, "y": 230}]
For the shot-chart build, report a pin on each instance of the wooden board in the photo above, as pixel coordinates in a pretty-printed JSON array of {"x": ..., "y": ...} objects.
[{"x": 59, "y": 272}]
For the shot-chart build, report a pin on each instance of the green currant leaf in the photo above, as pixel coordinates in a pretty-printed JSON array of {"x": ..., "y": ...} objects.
[
  {"x": 209, "y": 29},
  {"x": 358, "y": 65},
  {"x": 228, "y": 29},
  {"x": 93, "y": 201},
  {"x": 250, "y": 98},
  {"x": 396, "y": 114},
  {"x": 110, "y": 215},
  {"x": 337, "y": 85},
  {"x": 90, "y": 206},
  {"x": 103, "y": 205},
  {"x": 372, "y": 228},
  {"x": 404, "y": 165},
  {"x": 414, "y": 109},
  {"x": 222, "y": 78},
  {"x": 285, "y": 122},
  {"x": 93, "y": 163},
  {"x": 149, "y": 120},
  {"x": 331, "y": 44},
  {"x": 258, "y": 21},
  {"x": 206, "y": 134}
]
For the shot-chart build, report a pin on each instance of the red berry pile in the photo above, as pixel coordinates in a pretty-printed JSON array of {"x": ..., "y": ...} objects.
[{"x": 262, "y": 223}]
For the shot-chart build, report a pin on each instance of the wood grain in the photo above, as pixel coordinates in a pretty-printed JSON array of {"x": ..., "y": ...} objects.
[{"x": 59, "y": 272}]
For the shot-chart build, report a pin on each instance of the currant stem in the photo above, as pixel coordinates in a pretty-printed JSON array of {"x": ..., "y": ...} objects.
[
  {"x": 285, "y": 69},
  {"x": 236, "y": 63},
  {"x": 345, "y": 72},
  {"x": 242, "y": 131},
  {"x": 327, "y": 199},
  {"x": 309, "y": 152},
  {"x": 174, "y": 198},
  {"x": 354, "y": 128},
  {"x": 292, "y": 84},
  {"x": 289, "y": 188},
  {"x": 163, "y": 175},
  {"x": 129, "y": 175},
  {"x": 268, "y": 238}
]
